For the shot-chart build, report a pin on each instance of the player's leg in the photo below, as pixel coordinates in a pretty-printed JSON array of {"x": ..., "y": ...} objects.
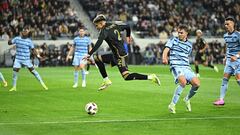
[
  {"x": 180, "y": 78},
  {"x": 196, "y": 68},
  {"x": 82, "y": 65},
  {"x": 87, "y": 69},
  {"x": 16, "y": 68},
  {"x": 76, "y": 75},
  {"x": 100, "y": 60},
  {"x": 228, "y": 70},
  {"x": 36, "y": 74},
  {"x": 3, "y": 80},
  {"x": 209, "y": 64},
  {"x": 122, "y": 66},
  {"x": 195, "y": 82},
  {"x": 76, "y": 63}
]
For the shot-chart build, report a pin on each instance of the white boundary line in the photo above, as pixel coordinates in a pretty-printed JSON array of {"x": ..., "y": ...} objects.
[{"x": 118, "y": 121}]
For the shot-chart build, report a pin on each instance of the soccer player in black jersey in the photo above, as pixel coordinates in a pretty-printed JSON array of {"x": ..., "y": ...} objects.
[
  {"x": 202, "y": 55},
  {"x": 110, "y": 32}
]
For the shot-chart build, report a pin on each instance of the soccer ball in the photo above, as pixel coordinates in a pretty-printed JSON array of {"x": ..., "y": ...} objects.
[{"x": 91, "y": 108}]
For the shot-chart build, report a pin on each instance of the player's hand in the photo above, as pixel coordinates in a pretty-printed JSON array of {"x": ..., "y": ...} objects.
[
  {"x": 200, "y": 51},
  {"x": 164, "y": 60},
  {"x": 129, "y": 40},
  {"x": 234, "y": 58}
]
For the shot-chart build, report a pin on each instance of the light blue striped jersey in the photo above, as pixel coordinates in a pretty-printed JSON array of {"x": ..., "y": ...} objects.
[
  {"x": 81, "y": 46},
  {"x": 23, "y": 47},
  {"x": 233, "y": 43},
  {"x": 179, "y": 52}
]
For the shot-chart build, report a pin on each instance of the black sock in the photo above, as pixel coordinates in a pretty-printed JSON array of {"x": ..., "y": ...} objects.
[
  {"x": 88, "y": 66},
  {"x": 101, "y": 68},
  {"x": 210, "y": 65},
  {"x": 136, "y": 76},
  {"x": 197, "y": 69}
]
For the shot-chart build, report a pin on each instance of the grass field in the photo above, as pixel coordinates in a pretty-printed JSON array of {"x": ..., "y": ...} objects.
[{"x": 125, "y": 108}]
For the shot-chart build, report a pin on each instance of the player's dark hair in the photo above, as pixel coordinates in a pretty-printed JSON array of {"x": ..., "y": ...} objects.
[
  {"x": 183, "y": 27},
  {"x": 99, "y": 18},
  {"x": 230, "y": 18}
]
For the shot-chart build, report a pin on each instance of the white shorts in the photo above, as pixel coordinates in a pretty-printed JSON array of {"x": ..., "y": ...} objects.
[
  {"x": 78, "y": 60},
  {"x": 183, "y": 71},
  {"x": 18, "y": 63}
]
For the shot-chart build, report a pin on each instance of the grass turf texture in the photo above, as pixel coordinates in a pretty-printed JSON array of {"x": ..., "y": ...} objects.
[{"x": 125, "y": 108}]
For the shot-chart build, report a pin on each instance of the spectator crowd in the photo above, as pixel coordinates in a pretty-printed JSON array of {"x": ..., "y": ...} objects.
[
  {"x": 48, "y": 19},
  {"x": 152, "y": 18}
]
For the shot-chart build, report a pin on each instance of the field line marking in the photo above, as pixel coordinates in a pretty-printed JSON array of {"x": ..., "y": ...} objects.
[{"x": 118, "y": 121}]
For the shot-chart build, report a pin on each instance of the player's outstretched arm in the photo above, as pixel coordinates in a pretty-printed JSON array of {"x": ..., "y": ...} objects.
[{"x": 165, "y": 55}]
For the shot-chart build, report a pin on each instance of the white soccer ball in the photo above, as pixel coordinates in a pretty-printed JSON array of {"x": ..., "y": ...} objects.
[{"x": 91, "y": 108}]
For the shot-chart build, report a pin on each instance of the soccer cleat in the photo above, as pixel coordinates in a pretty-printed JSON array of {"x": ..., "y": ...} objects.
[
  {"x": 155, "y": 79},
  {"x": 171, "y": 108},
  {"x": 198, "y": 75},
  {"x": 44, "y": 86},
  {"x": 5, "y": 84},
  {"x": 13, "y": 89},
  {"x": 104, "y": 85},
  {"x": 83, "y": 83},
  {"x": 86, "y": 72},
  {"x": 219, "y": 102},
  {"x": 188, "y": 104},
  {"x": 75, "y": 85},
  {"x": 216, "y": 69}
]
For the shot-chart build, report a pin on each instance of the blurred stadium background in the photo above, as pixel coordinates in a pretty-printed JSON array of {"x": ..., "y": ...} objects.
[{"x": 55, "y": 23}]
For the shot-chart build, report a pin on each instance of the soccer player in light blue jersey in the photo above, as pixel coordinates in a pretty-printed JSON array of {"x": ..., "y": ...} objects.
[
  {"x": 81, "y": 44},
  {"x": 24, "y": 46},
  {"x": 5, "y": 84},
  {"x": 180, "y": 49},
  {"x": 232, "y": 67}
]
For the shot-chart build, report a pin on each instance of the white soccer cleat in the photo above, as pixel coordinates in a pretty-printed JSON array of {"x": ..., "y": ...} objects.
[
  {"x": 216, "y": 69},
  {"x": 83, "y": 83},
  {"x": 44, "y": 86},
  {"x": 75, "y": 85},
  {"x": 198, "y": 75},
  {"x": 86, "y": 72},
  {"x": 188, "y": 104},
  {"x": 171, "y": 108},
  {"x": 5, "y": 84},
  {"x": 105, "y": 84},
  {"x": 155, "y": 79},
  {"x": 13, "y": 88}
]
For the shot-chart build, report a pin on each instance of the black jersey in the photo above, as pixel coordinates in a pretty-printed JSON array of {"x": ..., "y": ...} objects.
[
  {"x": 200, "y": 43},
  {"x": 111, "y": 34}
]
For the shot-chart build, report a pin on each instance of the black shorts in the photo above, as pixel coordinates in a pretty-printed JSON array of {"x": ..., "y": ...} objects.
[
  {"x": 200, "y": 57},
  {"x": 120, "y": 62}
]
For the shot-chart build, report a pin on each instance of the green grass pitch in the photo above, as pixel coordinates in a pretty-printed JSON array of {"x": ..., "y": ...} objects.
[{"x": 125, "y": 108}]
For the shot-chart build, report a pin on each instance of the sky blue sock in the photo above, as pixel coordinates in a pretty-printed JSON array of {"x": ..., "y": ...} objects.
[
  {"x": 224, "y": 87},
  {"x": 15, "y": 76},
  {"x": 1, "y": 77},
  {"x": 192, "y": 92},
  {"x": 36, "y": 74},
  {"x": 83, "y": 75},
  {"x": 76, "y": 77},
  {"x": 177, "y": 94}
]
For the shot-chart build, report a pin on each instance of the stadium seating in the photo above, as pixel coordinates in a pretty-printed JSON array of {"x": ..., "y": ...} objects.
[{"x": 154, "y": 17}]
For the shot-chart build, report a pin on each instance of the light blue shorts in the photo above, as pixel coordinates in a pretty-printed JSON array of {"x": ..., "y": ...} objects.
[
  {"x": 78, "y": 60},
  {"x": 185, "y": 71},
  {"x": 232, "y": 68},
  {"x": 18, "y": 63}
]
